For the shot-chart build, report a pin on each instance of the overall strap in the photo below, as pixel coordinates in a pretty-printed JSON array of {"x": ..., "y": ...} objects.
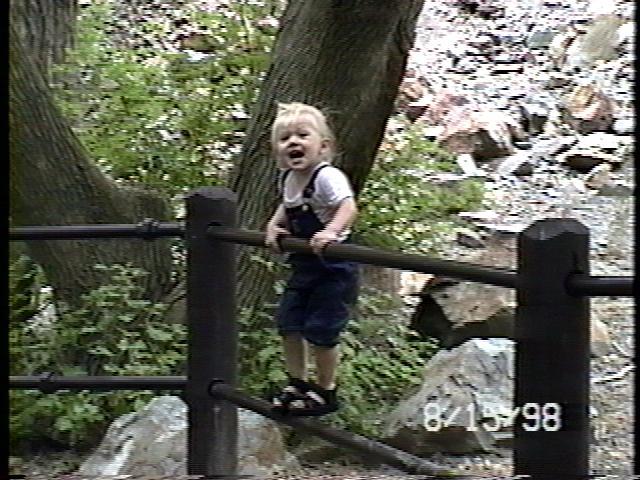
[
  {"x": 281, "y": 179},
  {"x": 311, "y": 186}
]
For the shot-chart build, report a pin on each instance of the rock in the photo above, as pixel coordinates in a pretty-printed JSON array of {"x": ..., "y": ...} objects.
[
  {"x": 548, "y": 148},
  {"x": 598, "y": 176},
  {"x": 588, "y": 109},
  {"x": 467, "y": 164},
  {"x": 484, "y": 134},
  {"x": 600, "y": 140},
  {"x": 153, "y": 442},
  {"x": 534, "y": 116},
  {"x": 412, "y": 283},
  {"x": 520, "y": 163},
  {"x": 540, "y": 37},
  {"x": 558, "y": 79},
  {"x": 624, "y": 126},
  {"x": 411, "y": 98},
  {"x": 584, "y": 159},
  {"x": 442, "y": 104},
  {"x": 616, "y": 189},
  {"x": 466, "y": 392},
  {"x": 598, "y": 43},
  {"x": 600, "y": 339},
  {"x": 559, "y": 45},
  {"x": 470, "y": 238},
  {"x": 455, "y": 312}
]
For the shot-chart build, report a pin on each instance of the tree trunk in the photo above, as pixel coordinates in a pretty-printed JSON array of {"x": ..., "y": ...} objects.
[
  {"x": 53, "y": 182},
  {"x": 346, "y": 57},
  {"x": 46, "y": 28}
]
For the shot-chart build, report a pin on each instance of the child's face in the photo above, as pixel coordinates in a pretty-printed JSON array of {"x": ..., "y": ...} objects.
[{"x": 299, "y": 146}]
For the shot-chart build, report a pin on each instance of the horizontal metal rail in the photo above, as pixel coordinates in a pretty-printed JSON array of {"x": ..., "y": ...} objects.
[
  {"x": 147, "y": 230},
  {"x": 50, "y": 383},
  {"x": 370, "y": 448},
  {"x": 601, "y": 286},
  {"x": 371, "y": 256}
]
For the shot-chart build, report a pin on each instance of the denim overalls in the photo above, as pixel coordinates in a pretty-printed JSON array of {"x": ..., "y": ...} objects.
[{"x": 316, "y": 299}]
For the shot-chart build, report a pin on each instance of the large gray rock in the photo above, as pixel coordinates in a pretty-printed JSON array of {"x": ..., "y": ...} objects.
[
  {"x": 598, "y": 43},
  {"x": 467, "y": 392},
  {"x": 455, "y": 313},
  {"x": 153, "y": 442}
]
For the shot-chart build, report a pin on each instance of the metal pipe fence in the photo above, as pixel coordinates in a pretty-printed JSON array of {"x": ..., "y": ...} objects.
[{"x": 552, "y": 284}]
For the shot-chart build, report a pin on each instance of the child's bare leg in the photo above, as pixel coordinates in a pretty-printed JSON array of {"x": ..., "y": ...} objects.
[
  {"x": 327, "y": 359},
  {"x": 295, "y": 355}
]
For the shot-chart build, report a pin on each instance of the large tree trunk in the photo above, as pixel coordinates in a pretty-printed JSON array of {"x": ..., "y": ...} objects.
[
  {"x": 53, "y": 182},
  {"x": 346, "y": 57},
  {"x": 46, "y": 28}
]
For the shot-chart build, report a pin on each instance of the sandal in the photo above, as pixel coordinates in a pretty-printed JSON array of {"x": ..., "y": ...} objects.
[
  {"x": 295, "y": 390},
  {"x": 315, "y": 402}
]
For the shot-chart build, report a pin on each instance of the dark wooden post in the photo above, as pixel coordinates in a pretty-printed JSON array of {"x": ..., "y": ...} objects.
[
  {"x": 552, "y": 353},
  {"x": 211, "y": 273}
]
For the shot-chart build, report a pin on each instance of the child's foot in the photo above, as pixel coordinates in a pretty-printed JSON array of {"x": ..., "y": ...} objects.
[
  {"x": 294, "y": 391},
  {"x": 316, "y": 401}
]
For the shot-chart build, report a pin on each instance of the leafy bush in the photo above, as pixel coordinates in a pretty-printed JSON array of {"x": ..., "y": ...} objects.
[
  {"x": 156, "y": 116},
  {"x": 399, "y": 208},
  {"x": 113, "y": 332},
  {"x": 381, "y": 360}
]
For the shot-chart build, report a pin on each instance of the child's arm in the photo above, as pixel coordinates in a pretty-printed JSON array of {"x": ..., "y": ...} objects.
[
  {"x": 343, "y": 218},
  {"x": 276, "y": 227}
]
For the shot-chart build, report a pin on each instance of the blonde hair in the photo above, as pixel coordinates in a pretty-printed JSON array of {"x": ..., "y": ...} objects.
[{"x": 290, "y": 112}]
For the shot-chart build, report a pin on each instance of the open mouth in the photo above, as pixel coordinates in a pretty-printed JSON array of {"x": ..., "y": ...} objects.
[{"x": 296, "y": 154}]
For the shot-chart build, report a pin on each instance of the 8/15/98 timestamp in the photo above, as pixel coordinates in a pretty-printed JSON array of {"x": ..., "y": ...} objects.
[{"x": 535, "y": 417}]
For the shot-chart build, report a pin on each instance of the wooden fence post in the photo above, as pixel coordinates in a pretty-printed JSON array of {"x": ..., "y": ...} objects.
[
  {"x": 551, "y": 434},
  {"x": 211, "y": 278}
]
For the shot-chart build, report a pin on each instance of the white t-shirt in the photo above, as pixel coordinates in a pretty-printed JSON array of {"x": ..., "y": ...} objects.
[{"x": 331, "y": 187}]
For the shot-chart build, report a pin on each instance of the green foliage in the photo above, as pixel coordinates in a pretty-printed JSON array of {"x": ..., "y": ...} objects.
[
  {"x": 261, "y": 357},
  {"x": 381, "y": 362},
  {"x": 399, "y": 208},
  {"x": 157, "y": 117},
  {"x": 113, "y": 332}
]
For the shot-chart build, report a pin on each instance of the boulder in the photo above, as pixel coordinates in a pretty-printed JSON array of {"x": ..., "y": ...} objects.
[
  {"x": 466, "y": 393},
  {"x": 442, "y": 104},
  {"x": 540, "y": 37},
  {"x": 484, "y": 134},
  {"x": 598, "y": 43},
  {"x": 455, "y": 313},
  {"x": 153, "y": 442},
  {"x": 520, "y": 163},
  {"x": 598, "y": 176},
  {"x": 588, "y": 109},
  {"x": 559, "y": 45},
  {"x": 534, "y": 116}
]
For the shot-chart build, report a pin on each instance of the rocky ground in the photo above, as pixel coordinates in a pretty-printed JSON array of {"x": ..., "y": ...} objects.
[{"x": 448, "y": 54}]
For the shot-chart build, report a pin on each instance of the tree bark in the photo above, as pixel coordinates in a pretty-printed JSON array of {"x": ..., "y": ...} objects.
[
  {"x": 54, "y": 182},
  {"x": 346, "y": 57},
  {"x": 46, "y": 28}
]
